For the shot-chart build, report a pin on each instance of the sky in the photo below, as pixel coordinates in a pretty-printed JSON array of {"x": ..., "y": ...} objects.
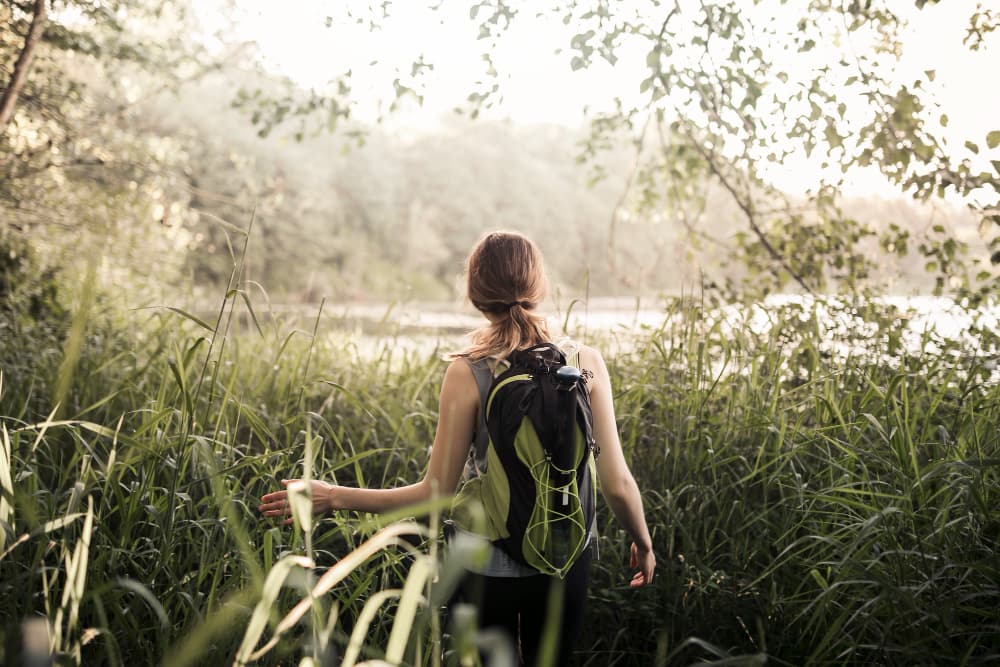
[{"x": 538, "y": 85}]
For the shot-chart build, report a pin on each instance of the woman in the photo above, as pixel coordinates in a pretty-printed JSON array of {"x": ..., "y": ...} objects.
[{"x": 506, "y": 282}]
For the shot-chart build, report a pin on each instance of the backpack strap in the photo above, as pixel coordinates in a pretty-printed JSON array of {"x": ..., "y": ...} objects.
[{"x": 593, "y": 538}]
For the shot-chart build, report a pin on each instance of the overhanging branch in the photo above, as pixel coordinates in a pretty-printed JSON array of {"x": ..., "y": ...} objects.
[{"x": 10, "y": 94}]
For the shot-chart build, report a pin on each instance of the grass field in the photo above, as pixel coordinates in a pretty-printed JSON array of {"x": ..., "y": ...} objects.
[{"x": 806, "y": 507}]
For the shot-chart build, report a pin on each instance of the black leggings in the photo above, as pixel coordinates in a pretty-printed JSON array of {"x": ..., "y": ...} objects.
[{"x": 518, "y": 606}]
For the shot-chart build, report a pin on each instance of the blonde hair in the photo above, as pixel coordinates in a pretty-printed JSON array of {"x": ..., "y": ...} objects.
[{"x": 505, "y": 277}]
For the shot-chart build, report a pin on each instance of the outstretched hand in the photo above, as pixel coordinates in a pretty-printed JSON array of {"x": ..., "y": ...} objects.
[
  {"x": 645, "y": 560},
  {"x": 277, "y": 503}
]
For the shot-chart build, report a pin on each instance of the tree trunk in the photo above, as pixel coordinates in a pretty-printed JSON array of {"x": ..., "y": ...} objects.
[{"x": 9, "y": 98}]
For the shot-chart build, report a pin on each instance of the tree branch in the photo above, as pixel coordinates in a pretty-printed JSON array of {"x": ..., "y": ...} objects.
[
  {"x": 748, "y": 211},
  {"x": 745, "y": 205},
  {"x": 612, "y": 227},
  {"x": 9, "y": 99}
]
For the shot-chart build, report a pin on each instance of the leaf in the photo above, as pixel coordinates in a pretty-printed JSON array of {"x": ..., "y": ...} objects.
[
  {"x": 993, "y": 139},
  {"x": 391, "y": 535},
  {"x": 253, "y": 315},
  {"x": 183, "y": 313},
  {"x": 972, "y": 147},
  {"x": 143, "y": 592},
  {"x": 364, "y": 621},
  {"x": 223, "y": 223},
  {"x": 300, "y": 499},
  {"x": 422, "y": 569},
  {"x": 833, "y": 137},
  {"x": 272, "y": 587}
]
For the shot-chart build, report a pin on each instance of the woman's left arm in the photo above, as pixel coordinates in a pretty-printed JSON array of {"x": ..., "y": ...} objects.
[{"x": 457, "y": 411}]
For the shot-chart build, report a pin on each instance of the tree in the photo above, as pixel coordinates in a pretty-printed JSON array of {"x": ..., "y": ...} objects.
[
  {"x": 726, "y": 102},
  {"x": 78, "y": 167},
  {"x": 734, "y": 90}
]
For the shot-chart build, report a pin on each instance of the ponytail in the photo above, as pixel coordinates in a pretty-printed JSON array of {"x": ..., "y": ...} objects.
[
  {"x": 516, "y": 329},
  {"x": 506, "y": 280}
]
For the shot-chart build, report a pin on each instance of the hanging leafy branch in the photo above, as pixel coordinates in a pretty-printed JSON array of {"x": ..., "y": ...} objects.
[
  {"x": 733, "y": 92},
  {"x": 721, "y": 78}
]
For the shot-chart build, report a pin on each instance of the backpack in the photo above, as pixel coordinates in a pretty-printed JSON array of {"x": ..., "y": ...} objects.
[{"x": 539, "y": 491}]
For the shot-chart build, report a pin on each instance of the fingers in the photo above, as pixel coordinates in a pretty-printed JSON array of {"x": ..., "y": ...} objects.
[
  {"x": 274, "y": 504},
  {"x": 640, "y": 579},
  {"x": 646, "y": 563},
  {"x": 274, "y": 497}
]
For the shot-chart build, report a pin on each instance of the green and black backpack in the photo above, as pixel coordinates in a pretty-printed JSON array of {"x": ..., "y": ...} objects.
[{"x": 539, "y": 489}]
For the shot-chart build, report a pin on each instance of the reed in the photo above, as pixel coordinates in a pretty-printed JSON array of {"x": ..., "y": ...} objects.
[{"x": 807, "y": 507}]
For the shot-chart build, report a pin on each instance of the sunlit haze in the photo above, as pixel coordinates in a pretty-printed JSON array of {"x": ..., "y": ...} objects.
[{"x": 535, "y": 78}]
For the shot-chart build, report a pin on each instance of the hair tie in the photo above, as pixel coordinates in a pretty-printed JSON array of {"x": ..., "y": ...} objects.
[{"x": 523, "y": 304}]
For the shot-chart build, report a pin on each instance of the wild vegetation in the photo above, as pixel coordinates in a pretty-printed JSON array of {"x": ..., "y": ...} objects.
[
  {"x": 821, "y": 482},
  {"x": 807, "y": 508},
  {"x": 127, "y": 126}
]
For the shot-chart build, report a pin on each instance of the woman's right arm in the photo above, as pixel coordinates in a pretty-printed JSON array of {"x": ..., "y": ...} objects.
[
  {"x": 457, "y": 410},
  {"x": 617, "y": 482}
]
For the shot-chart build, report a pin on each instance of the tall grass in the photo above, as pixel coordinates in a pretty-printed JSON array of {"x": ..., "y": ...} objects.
[
  {"x": 806, "y": 508},
  {"x": 171, "y": 432}
]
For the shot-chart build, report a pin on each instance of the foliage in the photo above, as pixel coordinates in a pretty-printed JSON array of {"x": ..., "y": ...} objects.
[
  {"x": 731, "y": 95},
  {"x": 809, "y": 503},
  {"x": 818, "y": 498},
  {"x": 33, "y": 321},
  {"x": 393, "y": 219},
  {"x": 77, "y": 167},
  {"x": 122, "y": 136},
  {"x": 735, "y": 92},
  {"x": 738, "y": 92}
]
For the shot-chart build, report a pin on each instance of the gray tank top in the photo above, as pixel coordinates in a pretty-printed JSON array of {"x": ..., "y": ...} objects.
[{"x": 482, "y": 370}]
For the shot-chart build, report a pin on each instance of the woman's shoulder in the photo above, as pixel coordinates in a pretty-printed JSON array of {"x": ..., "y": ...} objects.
[
  {"x": 477, "y": 365},
  {"x": 459, "y": 382},
  {"x": 460, "y": 372}
]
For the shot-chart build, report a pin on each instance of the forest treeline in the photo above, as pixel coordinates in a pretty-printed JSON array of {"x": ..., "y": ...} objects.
[{"x": 395, "y": 214}]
